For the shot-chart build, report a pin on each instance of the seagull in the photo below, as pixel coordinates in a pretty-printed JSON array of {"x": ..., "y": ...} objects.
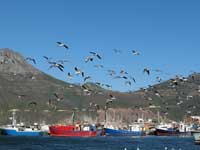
[
  {"x": 157, "y": 93},
  {"x": 128, "y": 83},
  {"x": 146, "y": 71},
  {"x": 107, "y": 85},
  {"x": 117, "y": 77},
  {"x": 117, "y": 51},
  {"x": 98, "y": 84},
  {"x": 55, "y": 64},
  {"x": 82, "y": 74},
  {"x": 69, "y": 76},
  {"x": 98, "y": 66},
  {"x": 62, "y": 45},
  {"x": 174, "y": 82},
  {"x": 112, "y": 96},
  {"x": 133, "y": 79},
  {"x": 87, "y": 78},
  {"x": 77, "y": 71},
  {"x": 111, "y": 72},
  {"x": 47, "y": 59},
  {"x": 123, "y": 72},
  {"x": 124, "y": 77},
  {"x": 96, "y": 54},
  {"x": 135, "y": 52},
  {"x": 58, "y": 98},
  {"x": 158, "y": 79},
  {"x": 85, "y": 88},
  {"x": 88, "y": 58},
  {"x": 62, "y": 61},
  {"x": 31, "y": 59}
]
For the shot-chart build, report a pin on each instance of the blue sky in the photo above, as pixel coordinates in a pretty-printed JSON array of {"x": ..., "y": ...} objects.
[{"x": 166, "y": 33}]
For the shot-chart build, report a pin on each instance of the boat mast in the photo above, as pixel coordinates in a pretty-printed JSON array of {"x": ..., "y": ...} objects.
[
  {"x": 158, "y": 113},
  {"x": 13, "y": 119},
  {"x": 73, "y": 114}
]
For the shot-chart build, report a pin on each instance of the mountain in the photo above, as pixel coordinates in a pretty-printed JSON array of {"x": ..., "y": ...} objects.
[
  {"x": 177, "y": 98},
  {"x": 40, "y": 97}
]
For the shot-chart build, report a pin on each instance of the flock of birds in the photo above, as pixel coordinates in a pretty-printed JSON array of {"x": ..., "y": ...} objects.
[{"x": 122, "y": 74}]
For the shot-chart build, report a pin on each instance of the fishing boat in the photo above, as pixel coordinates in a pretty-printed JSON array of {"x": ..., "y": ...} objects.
[
  {"x": 166, "y": 130},
  {"x": 185, "y": 129},
  {"x": 77, "y": 130},
  {"x": 20, "y": 129},
  {"x": 196, "y": 135},
  {"x": 131, "y": 130}
]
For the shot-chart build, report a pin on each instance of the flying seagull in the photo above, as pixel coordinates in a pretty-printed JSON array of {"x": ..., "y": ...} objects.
[
  {"x": 88, "y": 58},
  {"x": 69, "y": 76},
  {"x": 98, "y": 66},
  {"x": 78, "y": 71},
  {"x": 112, "y": 96},
  {"x": 135, "y": 52},
  {"x": 87, "y": 78},
  {"x": 57, "y": 65},
  {"x": 31, "y": 59},
  {"x": 158, "y": 79},
  {"x": 62, "y": 61},
  {"x": 111, "y": 72},
  {"x": 58, "y": 98},
  {"x": 117, "y": 51},
  {"x": 146, "y": 70},
  {"x": 128, "y": 83},
  {"x": 133, "y": 79},
  {"x": 62, "y": 45},
  {"x": 123, "y": 72},
  {"x": 107, "y": 85},
  {"x": 47, "y": 58},
  {"x": 96, "y": 54}
]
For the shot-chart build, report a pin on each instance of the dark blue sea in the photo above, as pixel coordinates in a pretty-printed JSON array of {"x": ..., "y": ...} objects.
[{"x": 97, "y": 143}]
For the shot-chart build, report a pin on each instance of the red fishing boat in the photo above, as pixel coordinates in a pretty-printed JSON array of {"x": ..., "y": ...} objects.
[{"x": 85, "y": 130}]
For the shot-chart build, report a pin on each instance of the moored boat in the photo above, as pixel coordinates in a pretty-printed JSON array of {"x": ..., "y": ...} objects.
[
  {"x": 132, "y": 130},
  {"x": 20, "y": 129},
  {"x": 85, "y": 130},
  {"x": 185, "y": 129},
  {"x": 166, "y": 130}
]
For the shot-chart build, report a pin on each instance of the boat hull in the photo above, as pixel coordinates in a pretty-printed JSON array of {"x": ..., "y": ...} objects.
[
  {"x": 114, "y": 132},
  {"x": 64, "y": 131},
  {"x": 196, "y": 135},
  {"x": 160, "y": 132},
  {"x": 13, "y": 132}
]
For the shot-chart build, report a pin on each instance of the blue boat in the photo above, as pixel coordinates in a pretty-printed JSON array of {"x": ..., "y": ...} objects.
[
  {"x": 135, "y": 130},
  {"x": 17, "y": 131},
  {"x": 20, "y": 130}
]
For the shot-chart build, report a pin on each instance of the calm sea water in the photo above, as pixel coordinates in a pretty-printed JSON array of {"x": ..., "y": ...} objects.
[{"x": 97, "y": 143}]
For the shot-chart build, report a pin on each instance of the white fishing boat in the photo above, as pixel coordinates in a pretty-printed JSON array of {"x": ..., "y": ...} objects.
[{"x": 20, "y": 129}]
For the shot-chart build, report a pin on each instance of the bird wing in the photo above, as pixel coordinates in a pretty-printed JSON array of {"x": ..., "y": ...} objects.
[{"x": 66, "y": 46}]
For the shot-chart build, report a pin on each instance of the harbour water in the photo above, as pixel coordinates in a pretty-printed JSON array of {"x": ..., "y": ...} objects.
[{"x": 97, "y": 143}]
